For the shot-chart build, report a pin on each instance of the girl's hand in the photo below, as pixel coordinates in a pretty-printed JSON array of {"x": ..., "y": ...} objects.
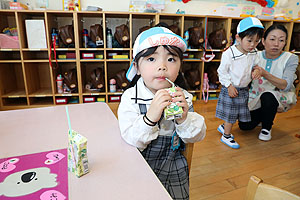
[
  {"x": 256, "y": 73},
  {"x": 161, "y": 99},
  {"x": 232, "y": 91},
  {"x": 179, "y": 99}
]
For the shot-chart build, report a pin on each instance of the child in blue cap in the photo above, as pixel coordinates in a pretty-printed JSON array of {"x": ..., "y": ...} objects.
[
  {"x": 157, "y": 56},
  {"x": 235, "y": 74}
]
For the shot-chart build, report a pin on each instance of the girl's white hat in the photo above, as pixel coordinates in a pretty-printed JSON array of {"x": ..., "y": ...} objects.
[{"x": 152, "y": 37}]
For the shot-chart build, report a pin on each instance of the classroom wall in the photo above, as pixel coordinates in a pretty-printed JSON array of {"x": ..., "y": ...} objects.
[{"x": 192, "y": 7}]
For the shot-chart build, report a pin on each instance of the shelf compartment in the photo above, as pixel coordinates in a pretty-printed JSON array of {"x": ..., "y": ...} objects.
[
  {"x": 175, "y": 19},
  {"x": 93, "y": 98},
  {"x": 38, "y": 78},
  {"x": 62, "y": 69},
  {"x": 37, "y": 55},
  {"x": 194, "y": 21},
  {"x": 85, "y": 21},
  {"x": 193, "y": 80},
  {"x": 66, "y": 100},
  {"x": 10, "y": 55},
  {"x": 296, "y": 38},
  {"x": 14, "y": 101},
  {"x": 22, "y": 16},
  {"x": 114, "y": 55},
  {"x": 140, "y": 21},
  {"x": 114, "y": 98},
  {"x": 216, "y": 23},
  {"x": 113, "y": 68},
  {"x": 8, "y": 20},
  {"x": 91, "y": 55},
  {"x": 12, "y": 80},
  {"x": 213, "y": 78},
  {"x": 112, "y": 20},
  {"x": 91, "y": 76},
  {"x": 55, "y": 21},
  {"x": 41, "y": 101},
  {"x": 64, "y": 56}
]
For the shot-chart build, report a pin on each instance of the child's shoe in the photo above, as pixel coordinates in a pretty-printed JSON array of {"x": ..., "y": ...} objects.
[
  {"x": 265, "y": 135},
  {"x": 230, "y": 142},
  {"x": 221, "y": 130}
]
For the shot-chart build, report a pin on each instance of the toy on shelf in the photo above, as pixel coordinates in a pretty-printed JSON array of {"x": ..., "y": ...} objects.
[
  {"x": 9, "y": 39},
  {"x": 205, "y": 87}
]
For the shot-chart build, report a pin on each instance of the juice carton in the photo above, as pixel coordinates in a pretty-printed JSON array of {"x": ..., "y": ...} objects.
[
  {"x": 77, "y": 154},
  {"x": 172, "y": 111}
]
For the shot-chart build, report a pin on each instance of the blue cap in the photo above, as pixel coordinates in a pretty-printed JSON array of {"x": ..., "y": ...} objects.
[{"x": 247, "y": 23}]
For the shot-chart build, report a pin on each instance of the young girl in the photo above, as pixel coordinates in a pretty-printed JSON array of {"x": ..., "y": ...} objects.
[
  {"x": 158, "y": 54},
  {"x": 235, "y": 72}
]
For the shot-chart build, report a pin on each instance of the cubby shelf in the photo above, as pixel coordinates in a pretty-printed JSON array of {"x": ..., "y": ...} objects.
[{"x": 27, "y": 80}]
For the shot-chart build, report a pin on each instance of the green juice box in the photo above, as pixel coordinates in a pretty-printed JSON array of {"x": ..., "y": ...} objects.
[
  {"x": 77, "y": 154},
  {"x": 172, "y": 111}
]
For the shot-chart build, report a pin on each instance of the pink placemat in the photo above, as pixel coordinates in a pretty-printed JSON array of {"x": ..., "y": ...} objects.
[{"x": 35, "y": 176}]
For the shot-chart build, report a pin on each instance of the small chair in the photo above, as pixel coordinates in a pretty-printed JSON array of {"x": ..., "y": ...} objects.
[
  {"x": 188, "y": 153},
  {"x": 297, "y": 81},
  {"x": 257, "y": 190}
]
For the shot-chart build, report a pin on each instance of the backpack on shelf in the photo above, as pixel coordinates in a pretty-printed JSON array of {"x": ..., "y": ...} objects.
[
  {"x": 193, "y": 78},
  {"x": 217, "y": 39},
  {"x": 66, "y": 36},
  {"x": 121, "y": 79},
  {"x": 122, "y": 35},
  {"x": 96, "y": 82},
  {"x": 70, "y": 81},
  {"x": 196, "y": 37},
  {"x": 96, "y": 35}
]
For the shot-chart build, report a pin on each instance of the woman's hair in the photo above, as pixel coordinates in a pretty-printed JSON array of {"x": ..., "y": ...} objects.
[
  {"x": 252, "y": 32},
  {"x": 274, "y": 27},
  {"x": 175, "y": 51}
]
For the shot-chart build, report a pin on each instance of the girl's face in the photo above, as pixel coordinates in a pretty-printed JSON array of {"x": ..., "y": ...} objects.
[
  {"x": 248, "y": 43},
  {"x": 158, "y": 66},
  {"x": 274, "y": 43}
]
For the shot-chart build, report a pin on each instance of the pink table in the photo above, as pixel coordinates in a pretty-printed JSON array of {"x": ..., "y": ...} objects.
[{"x": 117, "y": 170}]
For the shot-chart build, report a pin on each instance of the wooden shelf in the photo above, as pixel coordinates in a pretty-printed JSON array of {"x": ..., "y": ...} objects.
[
  {"x": 31, "y": 82},
  {"x": 15, "y": 94}
]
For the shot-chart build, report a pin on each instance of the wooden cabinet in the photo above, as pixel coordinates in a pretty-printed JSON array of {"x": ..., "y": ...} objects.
[{"x": 28, "y": 80}]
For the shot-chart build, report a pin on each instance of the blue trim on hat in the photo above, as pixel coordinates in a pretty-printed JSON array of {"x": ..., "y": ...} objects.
[
  {"x": 129, "y": 71},
  {"x": 155, "y": 31},
  {"x": 247, "y": 23}
]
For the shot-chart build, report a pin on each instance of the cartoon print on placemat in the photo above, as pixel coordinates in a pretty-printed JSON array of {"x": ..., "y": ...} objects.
[
  {"x": 52, "y": 195},
  {"x": 54, "y": 157},
  {"x": 27, "y": 182},
  {"x": 8, "y": 165},
  {"x": 36, "y": 176}
]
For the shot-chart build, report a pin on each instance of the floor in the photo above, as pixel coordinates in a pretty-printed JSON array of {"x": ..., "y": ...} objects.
[{"x": 220, "y": 173}]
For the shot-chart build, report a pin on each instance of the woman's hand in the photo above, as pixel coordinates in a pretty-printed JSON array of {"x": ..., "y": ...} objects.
[
  {"x": 179, "y": 99},
  {"x": 232, "y": 91},
  {"x": 277, "y": 82},
  {"x": 161, "y": 99},
  {"x": 256, "y": 74},
  {"x": 261, "y": 71}
]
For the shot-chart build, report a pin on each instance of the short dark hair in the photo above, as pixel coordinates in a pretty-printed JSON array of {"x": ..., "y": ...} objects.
[
  {"x": 274, "y": 27},
  {"x": 252, "y": 32}
]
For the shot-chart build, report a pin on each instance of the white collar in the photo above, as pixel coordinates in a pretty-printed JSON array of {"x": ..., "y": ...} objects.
[{"x": 237, "y": 54}]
